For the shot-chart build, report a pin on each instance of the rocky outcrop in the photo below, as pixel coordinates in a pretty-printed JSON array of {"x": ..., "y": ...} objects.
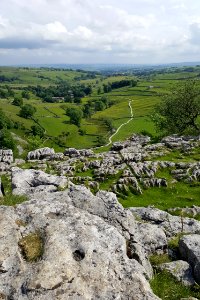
[
  {"x": 181, "y": 270},
  {"x": 189, "y": 247},
  {"x": 185, "y": 143},
  {"x": 87, "y": 252},
  {"x": 171, "y": 225},
  {"x": 6, "y": 156},
  {"x": 29, "y": 181},
  {"x": 40, "y": 153},
  {"x": 73, "y": 152}
]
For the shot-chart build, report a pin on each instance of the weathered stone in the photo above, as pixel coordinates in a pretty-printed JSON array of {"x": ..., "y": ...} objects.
[
  {"x": 153, "y": 238},
  {"x": 172, "y": 225},
  {"x": 189, "y": 247},
  {"x": 40, "y": 153},
  {"x": 181, "y": 270},
  {"x": 85, "y": 252},
  {"x": 6, "y": 156},
  {"x": 73, "y": 152},
  {"x": 29, "y": 181}
]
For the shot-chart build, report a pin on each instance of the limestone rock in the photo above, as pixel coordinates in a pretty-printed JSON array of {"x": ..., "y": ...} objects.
[
  {"x": 181, "y": 270},
  {"x": 6, "y": 156},
  {"x": 73, "y": 152},
  {"x": 85, "y": 249},
  {"x": 30, "y": 181},
  {"x": 153, "y": 238},
  {"x": 40, "y": 153},
  {"x": 189, "y": 247},
  {"x": 170, "y": 224}
]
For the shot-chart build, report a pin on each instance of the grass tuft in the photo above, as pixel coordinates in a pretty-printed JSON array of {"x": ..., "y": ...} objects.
[
  {"x": 157, "y": 259},
  {"x": 165, "y": 286},
  {"x": 32, "y": 246}
]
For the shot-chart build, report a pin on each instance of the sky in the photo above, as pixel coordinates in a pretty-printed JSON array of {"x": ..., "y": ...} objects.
[{"x": 99, "y": 31}]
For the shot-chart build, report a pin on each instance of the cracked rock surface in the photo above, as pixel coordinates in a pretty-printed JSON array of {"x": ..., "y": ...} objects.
[{"x": 84, "y": 249}]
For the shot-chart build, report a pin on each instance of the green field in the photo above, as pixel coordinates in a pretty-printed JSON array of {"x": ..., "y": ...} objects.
[{"x": 52, "y": 117}]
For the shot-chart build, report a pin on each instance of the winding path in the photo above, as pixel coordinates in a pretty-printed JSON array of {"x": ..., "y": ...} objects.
[{"x": 118, "y": 129}]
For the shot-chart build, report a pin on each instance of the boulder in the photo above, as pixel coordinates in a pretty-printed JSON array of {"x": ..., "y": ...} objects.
[
  {"x": 73, "y": 152},
  {"x": 181, "y": 270},
  {"x": 153, "y": 238},
  {"x": 6, "y": 156},
  {"x": 171, "y": 225},
  {"x": 40, "y": 153},
  {"x": 84, "y": 249},
  {"x": 28, "y": 181},
  {"x": 189, "y": 247}
]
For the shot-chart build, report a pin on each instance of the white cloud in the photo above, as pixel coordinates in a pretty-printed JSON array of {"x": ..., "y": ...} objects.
[{"x": 135, "y": 31}]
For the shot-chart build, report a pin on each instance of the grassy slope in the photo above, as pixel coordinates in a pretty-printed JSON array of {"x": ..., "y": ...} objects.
[{"x": 145, "y": 95}]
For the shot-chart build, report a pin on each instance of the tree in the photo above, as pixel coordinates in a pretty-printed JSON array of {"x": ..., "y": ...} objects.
[
  {"x": 87, "y": 110},
  {"x": 27, "y": 111},
  {"x": 37, "y": 130},
  {"x": 75, "y": 115},
  {"x": 99, "y": 90},
  {"x": 17, "y": 101},
  {"x": 179, "y": 110},
  {"x": 104, "y": 99},
  {"x": 99, "y": 105},
  {"x": 25, "y": 94},
  {"x": 5, "y": 122},
  {"x": 6, "y": 139}
]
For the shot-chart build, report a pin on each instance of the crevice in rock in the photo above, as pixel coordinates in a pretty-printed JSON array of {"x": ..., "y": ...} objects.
[{"x": 130, "y": 251}]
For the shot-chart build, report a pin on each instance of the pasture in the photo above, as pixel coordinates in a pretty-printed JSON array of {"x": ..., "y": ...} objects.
[{"x": 52, "y": 116}]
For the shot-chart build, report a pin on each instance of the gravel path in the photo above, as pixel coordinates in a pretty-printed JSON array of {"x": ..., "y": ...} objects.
[{"x": 118, "y": 129}]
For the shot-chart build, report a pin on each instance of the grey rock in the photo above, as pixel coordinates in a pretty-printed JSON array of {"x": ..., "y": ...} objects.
[
  {"x": 152, "y": 182},
  {"x": 85, "y": 256},
  {"x": 189, "y": 247},
  {"x": 40, "y": 153},
  {"x": 170, "y": 224},
  {"x": 73, "y": 152},
  {"x": 28, "y": 181},
  {"x": 56, "y": 156},
  {"x": 6, "y": 156},
  {"x": 153, "y": 238},
  {"x": 181, "y": 270},
  {"x": 192, "y": 211},
  {"x": 19, "y": 162}
]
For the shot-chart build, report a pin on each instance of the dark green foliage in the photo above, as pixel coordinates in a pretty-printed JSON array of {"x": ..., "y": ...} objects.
[
  {"x": 6, "y": 139},
  {"x": 37, "y": 130},
  {"x": 25, "y": 94},
  {"x": 99, "y": 105},
  {"x": 179, "y": 110},
  {"x": 122, "y": 83},
  {"x": 104, "y": 99},
  {"x": 75, "y": 115},
  {"x": 87, "y": 110},
  {"x": 118, "y": 84},
  {"x": 70, "y": 93},
  {"x": 27, "y": 111},
  {"x": 101, "y": 140},
  {"x": 109, "y": 123},
  {"x": 3, "y": 93},
  {"x": 82, "y": 131},
  {"x": 5, "y": 122},
  {"x": 17, "y": 101},
  {"x": 99, "y": 91}
]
